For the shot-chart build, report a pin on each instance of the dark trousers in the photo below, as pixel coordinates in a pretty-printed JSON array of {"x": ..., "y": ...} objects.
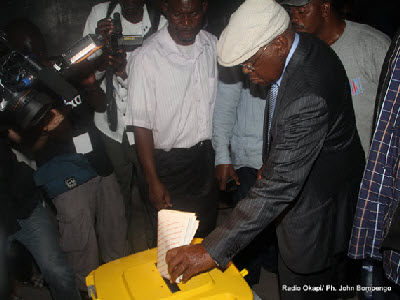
[
  {"x": 189, "y": 176},
  {"x": 38, "y": 234},
  {"x": 294, "y": 286},
  {"x": 127, "y": 169},
  {"x": 123, "y": 158},
  {"x": 263, "y": 250}
]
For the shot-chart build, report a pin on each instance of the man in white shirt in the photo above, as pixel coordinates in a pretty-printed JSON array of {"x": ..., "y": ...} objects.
[
  {"x": 137, "y": 18},
  {"x": 172, "y": 89}
]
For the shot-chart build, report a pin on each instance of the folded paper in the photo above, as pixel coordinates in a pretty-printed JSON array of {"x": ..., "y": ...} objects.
[{"x": 175, "y": 229}]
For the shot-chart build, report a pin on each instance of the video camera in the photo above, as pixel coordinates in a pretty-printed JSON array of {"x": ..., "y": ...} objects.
[
  {"x": 21, "y": 103},
  {"x": 119, "y": 41}
]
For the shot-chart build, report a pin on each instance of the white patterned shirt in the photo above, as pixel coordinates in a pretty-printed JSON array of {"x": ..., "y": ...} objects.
[{"x": 172, "y": 91}]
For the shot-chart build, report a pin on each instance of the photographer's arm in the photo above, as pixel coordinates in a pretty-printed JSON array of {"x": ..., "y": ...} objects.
[
  {"x": 158, "y": 194},
  {"x": 8, "y": 218},
  {"x": 95, "y": 96}
]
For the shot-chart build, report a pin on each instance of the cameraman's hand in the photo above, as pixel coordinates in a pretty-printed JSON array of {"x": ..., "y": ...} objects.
[
  {"x": 117, "y": 60},
  {"x": 54, "y": 120},
  {"x": 105, "y": 28},
  {"x": 223, "y": 172},
  {"x": 14, "y": 136},
  {"x": 158, "y": 195}
]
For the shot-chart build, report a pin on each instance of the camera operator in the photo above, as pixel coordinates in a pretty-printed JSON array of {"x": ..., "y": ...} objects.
[
  {"x": 25, "y": 220},
  {"x": 75, "y": 171},
  {"x": 138, "y": 17}
]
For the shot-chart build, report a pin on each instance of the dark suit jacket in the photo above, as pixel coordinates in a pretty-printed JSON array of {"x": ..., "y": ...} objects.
[
  {"x": 314, "y": 163},
  {"x": 18, "y": 192}
]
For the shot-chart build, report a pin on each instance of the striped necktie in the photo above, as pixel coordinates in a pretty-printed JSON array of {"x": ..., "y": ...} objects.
[{"x": 273, "y": 93}]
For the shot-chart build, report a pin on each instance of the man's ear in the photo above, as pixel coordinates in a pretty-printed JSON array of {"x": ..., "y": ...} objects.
[
  {"x": 282, "y": 44},
  {"x": 326, "y": 9}
]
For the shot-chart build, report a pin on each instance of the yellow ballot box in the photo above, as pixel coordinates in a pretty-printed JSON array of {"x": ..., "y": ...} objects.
[{"x": 136, "y": 277}]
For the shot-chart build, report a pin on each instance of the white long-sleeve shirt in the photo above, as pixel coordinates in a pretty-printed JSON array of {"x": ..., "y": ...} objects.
[{"x": 172, "y": 89}]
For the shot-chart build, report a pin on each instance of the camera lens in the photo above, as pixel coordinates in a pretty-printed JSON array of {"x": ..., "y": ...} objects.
[{"x": 28, "y": 107}]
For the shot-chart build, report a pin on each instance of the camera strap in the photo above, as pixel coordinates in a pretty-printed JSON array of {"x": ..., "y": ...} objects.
[
  {"x": 111, "y": 7},
  {"x": 112, "y": 114},
  {"x": 154, "y": 15}
]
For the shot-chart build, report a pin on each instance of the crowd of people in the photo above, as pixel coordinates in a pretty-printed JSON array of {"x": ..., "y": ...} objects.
[{"x": 279, "y": 110}]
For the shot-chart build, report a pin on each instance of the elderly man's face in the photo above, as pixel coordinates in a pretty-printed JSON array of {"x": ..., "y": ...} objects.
[
  {"x": 266, "y": 66},
  {"x": 307, "y": 18},
  {"x": 184, "y": 19}
]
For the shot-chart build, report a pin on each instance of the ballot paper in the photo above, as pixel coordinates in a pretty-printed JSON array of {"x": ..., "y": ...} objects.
[{"x": 175, "y": 228}]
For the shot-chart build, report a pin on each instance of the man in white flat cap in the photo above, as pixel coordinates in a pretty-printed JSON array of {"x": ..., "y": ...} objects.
[{"x": 313, "y": 155}]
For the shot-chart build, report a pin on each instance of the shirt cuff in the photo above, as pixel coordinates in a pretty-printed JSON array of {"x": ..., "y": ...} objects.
[{"x": 222, "y": 156}]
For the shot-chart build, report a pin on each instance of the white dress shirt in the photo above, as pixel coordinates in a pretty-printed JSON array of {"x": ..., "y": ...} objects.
[
  {"x": 99, "y": 12},
  {"x": 172, "y": 89}
]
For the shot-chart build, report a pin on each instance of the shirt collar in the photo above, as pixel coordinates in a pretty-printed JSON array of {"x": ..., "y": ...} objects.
[
  {"x": 171, "y": 48},
  {"x": 289, "y": 57}
]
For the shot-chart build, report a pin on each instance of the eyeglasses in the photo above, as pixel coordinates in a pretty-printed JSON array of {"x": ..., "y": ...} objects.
[{"x": 251, "y": 65}]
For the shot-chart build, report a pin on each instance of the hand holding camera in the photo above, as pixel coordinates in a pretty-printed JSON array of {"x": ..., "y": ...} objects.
[
  {"x": 117, "y": 60},
  {"x": 105, "y": 28},
  {"x": 113, "y": 54}
]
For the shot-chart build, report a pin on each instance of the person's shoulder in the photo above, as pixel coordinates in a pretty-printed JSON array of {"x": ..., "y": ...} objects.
[
  {"x": 309, "y": 43},
  {"x": 151, "y": 47},
  {"x": 207, "y": 36},
  {"x": 153, "y": 41},
  {"x": 101, "y": 8},
  {"x": 367, "y": 33}
]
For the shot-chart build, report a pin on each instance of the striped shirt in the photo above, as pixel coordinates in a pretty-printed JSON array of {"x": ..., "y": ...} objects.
[
  {"x": 172, "y": 91},
  {"x": 380, "y": 187}
]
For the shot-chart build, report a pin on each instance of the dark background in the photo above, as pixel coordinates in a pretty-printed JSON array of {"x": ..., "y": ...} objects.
[{"x": 62, "y": 21}]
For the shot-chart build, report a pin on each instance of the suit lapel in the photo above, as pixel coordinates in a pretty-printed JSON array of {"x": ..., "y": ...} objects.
[{"x": 295, "y": 62}]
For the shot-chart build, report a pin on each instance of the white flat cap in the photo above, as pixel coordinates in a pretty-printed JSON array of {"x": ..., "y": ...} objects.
[{"x": 255, "y": 24}]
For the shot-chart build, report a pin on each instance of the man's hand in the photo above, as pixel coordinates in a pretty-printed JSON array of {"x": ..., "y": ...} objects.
[
  {"x": 223, "y": 173},
  {"x": 117, "y": 60},
  {"x": 54, "y": 120},
  {"x": 188, "y": 261},
  {"x": 105, "y": 28},
  {"x": 259, "y": 173},
  {"x": 159, "y": 196}
]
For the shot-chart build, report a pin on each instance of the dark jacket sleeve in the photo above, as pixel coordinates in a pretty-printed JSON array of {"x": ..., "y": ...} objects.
[
  {"x": 7, "y": 212},
  {"x": 297, "y": 141},
  {"x": 18, "y": 193}
]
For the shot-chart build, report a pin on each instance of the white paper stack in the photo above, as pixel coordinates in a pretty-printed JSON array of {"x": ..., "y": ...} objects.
[{"x": 175, "y": 228}]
